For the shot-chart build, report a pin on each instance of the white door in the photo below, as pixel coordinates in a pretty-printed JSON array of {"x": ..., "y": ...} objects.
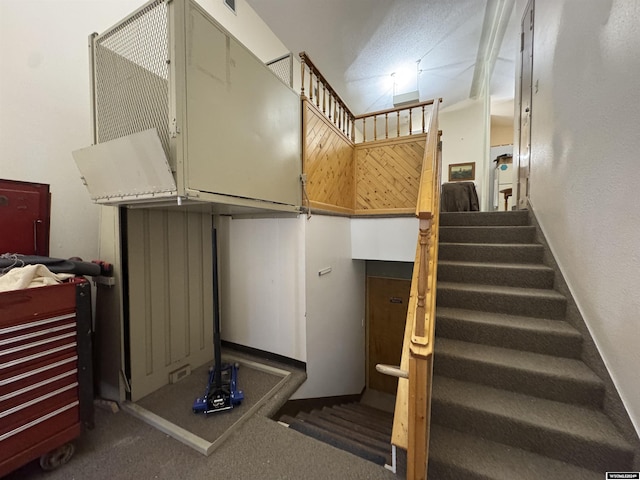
[{"x": 170, "y": 296}]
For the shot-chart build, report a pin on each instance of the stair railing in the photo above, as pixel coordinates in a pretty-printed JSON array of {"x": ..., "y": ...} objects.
[
  {"x": 320, "y": 93},
  {"x": 413, "y": 400},
  {"x": 398, "y": 122},
  {"x": 411, "y": 421}
]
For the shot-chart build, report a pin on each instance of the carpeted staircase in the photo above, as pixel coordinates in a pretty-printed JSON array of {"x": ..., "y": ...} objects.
[
  {"x": 511, "y": 397},
  {"x": 357, "y": 428}
]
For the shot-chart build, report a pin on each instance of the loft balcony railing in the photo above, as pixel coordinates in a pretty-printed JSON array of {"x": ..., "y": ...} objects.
[{"x": 382, "y": 125}]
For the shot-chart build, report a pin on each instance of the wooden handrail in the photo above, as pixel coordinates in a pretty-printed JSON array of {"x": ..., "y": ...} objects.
[
  {"x": 428, "y": 194},
  {"x": 393, "y": 110},
  {"x": 413, "y": 400}
]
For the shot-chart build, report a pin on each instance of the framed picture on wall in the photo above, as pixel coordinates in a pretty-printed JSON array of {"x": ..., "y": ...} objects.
[{"x": 459, "y": 172}]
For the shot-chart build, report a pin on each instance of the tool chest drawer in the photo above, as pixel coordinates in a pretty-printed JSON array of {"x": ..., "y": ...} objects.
[{"x": 44, "y": 358}]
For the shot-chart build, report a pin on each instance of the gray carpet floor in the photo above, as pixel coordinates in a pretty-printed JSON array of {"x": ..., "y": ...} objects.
[
  {"x": 123, "y": 447},
  {"x": 173, "y": 402}
]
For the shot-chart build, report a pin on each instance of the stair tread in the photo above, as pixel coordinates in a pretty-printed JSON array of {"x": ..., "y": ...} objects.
[
  {"x": 354, "y": 426},
  {"x": 369, "y": 410},
  {"x": 521, "y": 291},
  {"x": 352, "y": 434},
  {"x": 497, "y": 461},
  {"x": 338, "y": 441},
  {"x": 557, "y": 327},
  {"x": 510, "y": 266},
  {"x": 494, "y": 245},
  {"x": 487, "y": 218},
  {"x": 359, "y": 418},
  {"x": 585, "y": 423},
  {"x": 520, "y": 227},
  {"x": 547, "y": 365}
]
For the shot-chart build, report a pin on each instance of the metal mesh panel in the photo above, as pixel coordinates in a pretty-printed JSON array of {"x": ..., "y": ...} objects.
[
  {"x": 282, "y": 68},
  {"x": 132, "y": 76}
]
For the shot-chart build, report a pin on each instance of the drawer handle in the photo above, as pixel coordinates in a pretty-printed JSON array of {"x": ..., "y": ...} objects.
[
  {"x": 44, "y": 418},
  {"x": 22, "y": 406}
]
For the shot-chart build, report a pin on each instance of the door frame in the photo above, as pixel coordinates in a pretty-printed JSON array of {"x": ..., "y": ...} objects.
[{"x": 522, "y": 178}]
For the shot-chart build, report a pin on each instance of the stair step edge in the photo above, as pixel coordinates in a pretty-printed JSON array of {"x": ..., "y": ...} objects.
[
  {"x": 553, "y": 326},
  {"x": 501, "y": 289},
  {"x": 489, "y": 459},
  {"x": 499, "y": 265},
  {"x": 340, "y": 442},
  {"x": 559, "y": 367},
  {"x": 573, "y": 420}
]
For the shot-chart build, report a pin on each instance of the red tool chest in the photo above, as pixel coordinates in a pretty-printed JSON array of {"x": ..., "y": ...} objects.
[{"x": 46, "y": 391}]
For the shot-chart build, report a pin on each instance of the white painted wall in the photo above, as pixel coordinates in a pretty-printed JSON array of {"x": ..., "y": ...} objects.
[
  {"x": 464, "y": 140},
  {"x": 584, "y": 168},
  {"x": 248, "y": 27},
  {"x": 262, "y": 284},
  {"x": 391, "y": 239},
  {"x": 335, "y": 311},
  {"x": 44, "y": 107}
]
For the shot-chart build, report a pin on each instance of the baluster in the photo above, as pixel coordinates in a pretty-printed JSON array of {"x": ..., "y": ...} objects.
[
  {"x": 386, "y": 125},
  {"x": 364, "y": 129},
  {"x": 375, "y": 127},
  {"x": 310, "y": 85},
  {"x": 422, "y": 118},
  {"x": 330, "y": 102},
  {"x": 353, "y": 128},
  {"x": 324, "y": 97},
  {"x": 398, "y": 122},
  {"x": 411, "y": 121},
  {"x": 302, "y": 69},
  {"x": 318, "y": 91},
  {"x": 425, "y": 236}
]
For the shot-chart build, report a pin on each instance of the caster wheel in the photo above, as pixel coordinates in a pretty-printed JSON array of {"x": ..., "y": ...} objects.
[{"x": 57, "y": 457}]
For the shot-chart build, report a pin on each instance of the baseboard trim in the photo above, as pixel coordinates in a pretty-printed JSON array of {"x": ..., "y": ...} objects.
[{"x": 292, "y": 362}]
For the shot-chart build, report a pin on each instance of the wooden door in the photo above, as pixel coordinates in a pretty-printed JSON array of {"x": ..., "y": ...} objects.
[
  {"x": 526, "y": 75},
  {"x": 387, "y": 301}
]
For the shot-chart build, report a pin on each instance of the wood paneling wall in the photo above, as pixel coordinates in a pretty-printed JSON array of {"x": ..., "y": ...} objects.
[
  {"x": 329, "y": 163},
  {"x": 170, "y": 294},
  {"x": 380, "y": 177},
  {"x": 388, "y": 175}
]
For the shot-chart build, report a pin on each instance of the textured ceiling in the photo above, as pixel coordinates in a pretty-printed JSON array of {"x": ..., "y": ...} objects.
[{"x": 358, "y": 44}]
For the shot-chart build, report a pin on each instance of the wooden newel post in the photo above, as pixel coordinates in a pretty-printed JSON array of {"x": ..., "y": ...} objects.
[{"x": 417, "y": 432}]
